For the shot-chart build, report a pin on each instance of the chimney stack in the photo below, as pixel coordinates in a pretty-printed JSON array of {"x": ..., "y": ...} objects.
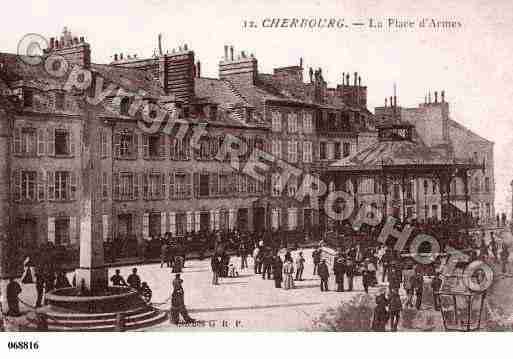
[
  {"x": 429, "y": 97},
  {"x": 231, "y": 53},
  {"x": 198, "y": 69},
  {"x": 443, "y": 96},
  {"x": 395, "y": 101},
  {"x": 359, "y": 81},
  {"x": 436, "y": 96},
  {"x": 72, "y": 48},
  {"x": 386, "y": 101},
  {"x": 355, "y": 78},
  {"x": 225, "y": 52},
  {"x": 343, "y": 78},
  {"x": 52, "y": 42},
  {"x": 115, "y": 57},
  {"x": 300, "y": 62},
  {"x": 347, "y": 79}
]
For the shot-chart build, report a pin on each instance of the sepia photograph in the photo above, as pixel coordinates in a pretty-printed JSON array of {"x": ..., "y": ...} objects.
[{"x": 274, "y": 166}]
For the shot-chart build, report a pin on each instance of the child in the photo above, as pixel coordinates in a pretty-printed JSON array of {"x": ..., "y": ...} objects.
[{"x": 232, "y": 271}]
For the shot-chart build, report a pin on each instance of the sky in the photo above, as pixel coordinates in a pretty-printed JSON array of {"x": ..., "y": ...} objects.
[{"x": 473, "y": 63}]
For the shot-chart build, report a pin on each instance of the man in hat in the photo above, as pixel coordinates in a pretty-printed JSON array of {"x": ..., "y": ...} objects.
[
  {"x": 134, "y": 280},
  {"x": 395, "y": 308},
  {"x": 13, "y": 290},
  {"x": 316, "y": 257},
  {"x": 324, "y": 274},
  {"x": 339, "y": 268}
]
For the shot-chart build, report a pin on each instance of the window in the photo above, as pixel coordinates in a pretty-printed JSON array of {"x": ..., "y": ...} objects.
[
  {"x": 28, "y": 97},
  {"x": 28, "y": 185},
  {"x": 488, "y": 210},
  {"x": 125, "y": 144},
  {"x": 180, "y": 186},
  {"x": 435, "y": 188},
  {"x": 181, "y": 223},
  {"x": 104, "y": 143},
  {"x": 322, "y": 150},
  {"x": 63, "y": 143},
  {"x": 154, "y": 146},
  {"x": 27, "y": 142},
  {"x": 292, "y": 218},
  {"x": 62, "y": 231},
  {"x": 292, "y": 150},
  {"x": 276, "y": 121},
  {"x": 276, "y": 148},
  {"x": 156, "y": 185},
  {"x": 292, "y": 122},
  {"x": 307, "y": 123},
  {"x": 275, "y": 218},
  {"x": 105, "y": 185},
  {"x": 62, "y": 185},
  {"x": 59, "y": 101},
  {"x": 330, "y": 150},
  {"x": 204, "y": 182},
  {"x": 224, "y": 184},
  {"x": 487, "y": 184},
  {"x": 124, "y": 106},
  {"x": 434, "y": 211},
  {"x": 346, "y": 148},
  {"x": 338, "y": 152},
  {"x": 276, "y": 185},
  {"x": 307, "y": 151},
  {"x": 426, "y": 186},
  {"x": 409, "y": 190},
  {"x": 179, "y": 149},
  {"x": 292, "y": 186},
  {"x": 396, "y": 191}
]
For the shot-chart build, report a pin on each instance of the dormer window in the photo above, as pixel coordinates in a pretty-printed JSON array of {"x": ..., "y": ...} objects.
[
  {"x": 124, "y": 106},
  {"x": 59, "y": 101},
  {"x": 395, "y": 133}
]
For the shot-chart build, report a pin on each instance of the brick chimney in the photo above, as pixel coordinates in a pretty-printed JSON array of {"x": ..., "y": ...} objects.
[
  {"x": 242, "y": 70},
  {"x": 175, "y": 71},
  {"x": 73, "y": 49}
]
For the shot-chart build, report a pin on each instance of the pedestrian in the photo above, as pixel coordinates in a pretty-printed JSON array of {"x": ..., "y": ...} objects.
[
  {"x": 215, "y": 264},
  {"x": 243, "y": 255},
  {"x": 436, "y": 284},
  {"x": 395, "y": 276},
  {"x": 504, "y": 258},
  {"x": 178, "y": 303},
  {"x": 339, "y": 268},
  {"x": 288, "y": 271},
  {"x": 350, "y": 269},
  {"x": 26, "y": 278},
  {"x": 324, "y": 274},
  {"x": 494, "y": 248},
  {"x": 381, "y": 315},
  {"x": 408, "y": 276},
  {"x": 178, "y": 264},
  {"x": 418, "y": 286},
  {"x": 300, "y": 266},
  {"x": 395, "y": 308},
  {"x": 133, "y": 280},
  {"x": 277, "y": 271},
  {"x": 256, "y": 259},
  {"x": 368, "y": 274},
  {"x": 13, "y": 290},
  {"x": 117, "y": 279},
  {"x": 40, "y": 287},
  {"x": 164, "y": 255},
  {"x": 267, "y": 263},
  {"x": 316, "y": 257}
]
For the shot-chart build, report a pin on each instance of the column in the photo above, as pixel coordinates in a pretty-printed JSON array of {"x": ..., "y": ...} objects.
[{"x": 92, "y": 273}]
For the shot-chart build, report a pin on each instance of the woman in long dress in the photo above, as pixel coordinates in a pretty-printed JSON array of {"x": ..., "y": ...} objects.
[{"x": 288, "y": 272}]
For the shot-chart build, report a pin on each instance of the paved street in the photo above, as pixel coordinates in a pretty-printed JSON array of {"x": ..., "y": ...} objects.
[{"x": 245, "y": 302}]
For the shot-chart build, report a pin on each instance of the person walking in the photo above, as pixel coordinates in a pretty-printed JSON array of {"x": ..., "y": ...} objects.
[
  {"x": 436, "y": 284},
  {"x": 339, "y": 268},
  {"x": 277, "y": 271},
  {"x": 316, "y": 257},
  {"x": 350, "y": 268},
  {"x": 324, "y": 274},
  {"x": 26, "y": 278},
  {"x": 178, "y": 303},
  {"x": 395, "y": 306},
  {"x": 267, "y": 263},
  {"x": 215, "y": 264},
  {"x": 13, "y": 291},
  {"x": 288, "y": 271},
  {"x": 40, "y": 287},
  {"x": 243, "y": 255},
  {"x": 300, "y": 266},
  {"x": 368, "y": 273},
  {"x": 408, "y": 276},
  {"x": 164, "y": 255},
  {"x": 494, "y": 248},
  {"x": 381, "y": 315},
  {"x": 256, "y": 259},
  {"x": 418, "y": 286}
]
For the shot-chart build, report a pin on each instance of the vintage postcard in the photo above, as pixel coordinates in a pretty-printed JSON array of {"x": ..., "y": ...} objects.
[{"x": 303, "y": 166}]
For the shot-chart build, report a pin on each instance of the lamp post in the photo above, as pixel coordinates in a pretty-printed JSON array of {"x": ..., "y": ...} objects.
[{"x": 462, "y": 298}]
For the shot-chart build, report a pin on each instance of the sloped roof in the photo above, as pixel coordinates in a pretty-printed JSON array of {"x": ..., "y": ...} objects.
[
  {"x": 392, "y": 153},
  {"x": 218, "y": 91},
  {"x": 458, "y": 126}
]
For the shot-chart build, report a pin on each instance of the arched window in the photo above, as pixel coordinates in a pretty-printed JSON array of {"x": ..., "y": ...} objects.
[{"x": 124, "y": 106}]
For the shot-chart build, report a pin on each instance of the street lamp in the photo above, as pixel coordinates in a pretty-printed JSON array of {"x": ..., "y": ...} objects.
[{"x": 462, "y": 298}]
